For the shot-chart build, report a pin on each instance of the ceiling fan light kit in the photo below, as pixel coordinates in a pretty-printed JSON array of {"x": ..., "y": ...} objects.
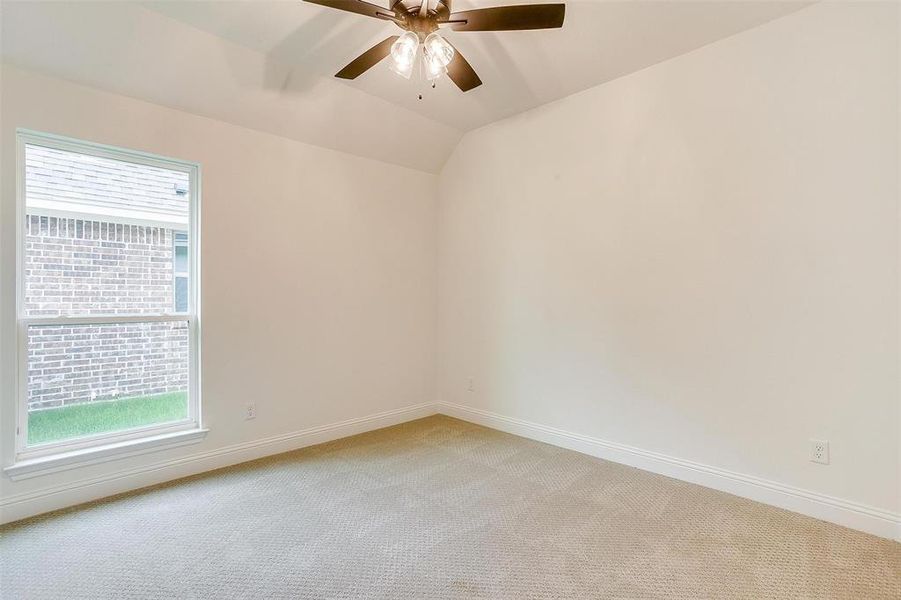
[
  {"x": 435, "y": 56},
  {"x": 421, "y": 23}
]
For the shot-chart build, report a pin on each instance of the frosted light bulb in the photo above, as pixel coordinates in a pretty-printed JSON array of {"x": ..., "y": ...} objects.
[
  {"x": 436, "y": 48},
  {"x": 432, "y": 67},
  {"x": 403, "y": 54}
]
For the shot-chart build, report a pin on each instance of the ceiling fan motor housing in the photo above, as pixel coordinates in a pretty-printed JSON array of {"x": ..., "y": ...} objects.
[{"x": 413, "y": 19}]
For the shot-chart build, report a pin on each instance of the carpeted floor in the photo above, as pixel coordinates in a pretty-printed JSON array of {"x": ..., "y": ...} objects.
[{"x": 438, "y": 508}]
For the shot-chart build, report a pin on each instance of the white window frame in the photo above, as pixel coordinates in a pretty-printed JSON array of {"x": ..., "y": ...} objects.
[{"x": 49, "y": 457}]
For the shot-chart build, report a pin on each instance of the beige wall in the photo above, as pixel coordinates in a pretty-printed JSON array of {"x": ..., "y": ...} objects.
[
  {"x": 699, "y": 259},
  {"x": 318, "y": 270}
]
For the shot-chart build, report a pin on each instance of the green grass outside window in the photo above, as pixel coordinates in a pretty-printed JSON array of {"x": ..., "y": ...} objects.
[{"x": 80, "y": 420}]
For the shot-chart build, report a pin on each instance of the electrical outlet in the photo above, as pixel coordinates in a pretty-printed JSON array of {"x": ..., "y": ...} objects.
[
  {"x": 470, "y": 385},
  {"x": 819, "y": 451},
  {"x": 250, "y": 411}
]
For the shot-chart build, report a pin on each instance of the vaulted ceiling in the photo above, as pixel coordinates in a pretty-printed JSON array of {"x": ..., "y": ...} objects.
[{"x": 269, "y": 65}]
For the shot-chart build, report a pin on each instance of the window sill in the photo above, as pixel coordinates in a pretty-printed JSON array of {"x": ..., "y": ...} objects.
[{"x": 34, "y": 467}]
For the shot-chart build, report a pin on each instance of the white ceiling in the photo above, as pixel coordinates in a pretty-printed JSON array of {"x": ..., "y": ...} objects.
[{"x": 269, "y": 64}]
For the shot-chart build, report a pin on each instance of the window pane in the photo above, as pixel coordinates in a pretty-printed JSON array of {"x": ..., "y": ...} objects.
[
  {"x": 181, "y": 294},
  {"x": 100, "y": 234},
  {"x": 181, "y": 257},
  {"x": 180, "y": 269},
  {"x": 89, "y": 379}
]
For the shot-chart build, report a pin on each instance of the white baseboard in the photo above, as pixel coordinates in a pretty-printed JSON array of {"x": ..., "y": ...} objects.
[
  {"x": 835, "y": 510},
  {"x": 20, "y": 506},
  {"x": 827, "y": 508}
]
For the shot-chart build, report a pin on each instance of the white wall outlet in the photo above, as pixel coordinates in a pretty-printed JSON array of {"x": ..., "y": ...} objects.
[
  {"x": 250, "y": 411},
  {"x": 470, "y": 385},
  {"x": 819, "y": 451}
]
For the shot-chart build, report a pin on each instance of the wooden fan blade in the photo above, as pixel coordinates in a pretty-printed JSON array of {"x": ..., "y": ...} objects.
[
  {"x": 355, "y": 6},
  {"x": 509, "y": 18},
  {"x": 461, "y": 72},
  {"x": 367, "y": 60}
]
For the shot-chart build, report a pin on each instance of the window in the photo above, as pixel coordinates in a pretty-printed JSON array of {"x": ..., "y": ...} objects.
[{"x": 107, "y": 302}]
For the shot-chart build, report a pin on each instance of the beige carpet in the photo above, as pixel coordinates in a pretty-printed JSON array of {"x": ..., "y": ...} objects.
[{"x": 438, "y": 508}]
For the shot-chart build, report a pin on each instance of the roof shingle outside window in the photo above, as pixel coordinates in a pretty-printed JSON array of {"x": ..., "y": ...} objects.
[{"x": 62, "y": 183}]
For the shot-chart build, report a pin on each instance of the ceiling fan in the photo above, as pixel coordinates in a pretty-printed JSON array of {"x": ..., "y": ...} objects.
[{"x": 420, "y": 24}]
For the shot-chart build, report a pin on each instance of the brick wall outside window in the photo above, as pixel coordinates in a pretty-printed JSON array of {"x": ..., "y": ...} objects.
[{"x": 75, "y": 266}]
